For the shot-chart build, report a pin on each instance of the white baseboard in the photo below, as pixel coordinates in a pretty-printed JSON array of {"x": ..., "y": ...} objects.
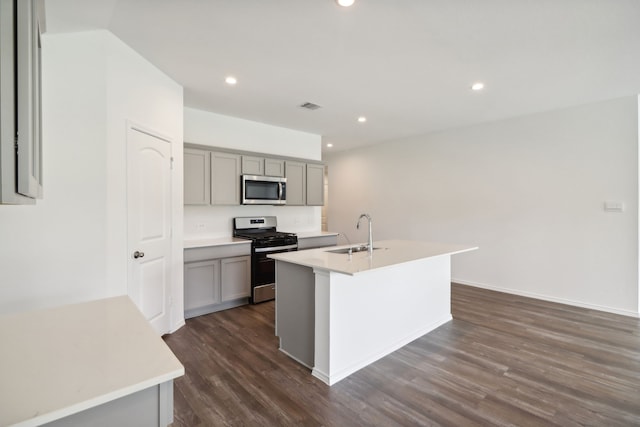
[{"x": 606, "y": 309}]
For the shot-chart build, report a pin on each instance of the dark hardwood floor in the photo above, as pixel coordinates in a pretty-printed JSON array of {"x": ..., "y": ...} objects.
[{"x": 504, "y": 360}]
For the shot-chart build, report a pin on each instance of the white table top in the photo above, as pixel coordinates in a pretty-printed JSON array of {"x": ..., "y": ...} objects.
[
  {"x": 391, "y": 252},
  {"x": 59, "y": 361}
]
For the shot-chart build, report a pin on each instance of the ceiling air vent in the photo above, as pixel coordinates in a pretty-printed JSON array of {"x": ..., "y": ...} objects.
[{"x": 309, "y": 106}]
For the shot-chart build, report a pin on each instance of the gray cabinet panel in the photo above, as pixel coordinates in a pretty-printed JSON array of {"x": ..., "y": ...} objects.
[
  {"x": 19, "y": 24},
  {"x": 252, "y": 165},
  {"x": 273, "y": 167},
  {"x": 295, "y": 173},
  {"x": 295, "y": 311},
  {"x": 236, "y": 277},
  {"x": 152, "y": 407},
  {"x": 201, "y": 284},
  {"x": 197, "y": 180},
  {"x": 315, "y": 185},
  {"x": 225, "y": 179}
]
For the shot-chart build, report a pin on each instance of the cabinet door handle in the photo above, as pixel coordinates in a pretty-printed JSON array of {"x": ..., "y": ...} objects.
[{"x": 138, "y": 254}]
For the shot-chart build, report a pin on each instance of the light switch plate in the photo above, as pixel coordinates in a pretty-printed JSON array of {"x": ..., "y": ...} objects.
[{"x": 613, "y": 206}]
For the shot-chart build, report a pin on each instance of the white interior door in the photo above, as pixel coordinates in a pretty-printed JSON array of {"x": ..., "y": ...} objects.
[{"x": 149, "y": 224}]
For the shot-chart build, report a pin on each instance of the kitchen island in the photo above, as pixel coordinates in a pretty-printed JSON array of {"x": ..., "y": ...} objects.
[
  {"x": 338, "y": 312},
  {"x": 97, "y": 363}
]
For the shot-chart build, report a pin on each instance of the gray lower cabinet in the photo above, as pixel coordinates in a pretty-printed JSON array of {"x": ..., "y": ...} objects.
[
  {"x": 236, "y": 278},
  {"x": 317, "y": 241},
  {"x": 214, "y": 280},
  {"x": 201, "y": 284}
]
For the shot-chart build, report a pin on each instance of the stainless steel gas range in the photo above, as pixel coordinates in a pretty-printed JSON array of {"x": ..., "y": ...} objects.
[{"x": 265, "y": 240}]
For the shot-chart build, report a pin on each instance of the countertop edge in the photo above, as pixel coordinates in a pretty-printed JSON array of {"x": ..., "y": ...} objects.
[
  {"x": 99, "y": 400},
  {"x": 218, "y": 241},
  {"x": 321, "y": 258}
]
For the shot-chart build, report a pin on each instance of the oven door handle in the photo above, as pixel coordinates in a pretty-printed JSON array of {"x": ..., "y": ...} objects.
[{"x": 275, "y": 248}]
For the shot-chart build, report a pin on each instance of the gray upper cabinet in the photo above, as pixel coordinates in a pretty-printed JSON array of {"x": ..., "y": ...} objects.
[
  {"x": 305, "y": 184},
  {"x": 225, "y": 178},
  {"x": 252, "y": 165},
  {"x": 295, "y": 173},
  {"x": 315, "y": 184},
  {"x": 273, "y": 167},
  {"x": 20, "y": 117},
  {"x": 197, "y": 177},
  {"x": 213, "y": 177}
]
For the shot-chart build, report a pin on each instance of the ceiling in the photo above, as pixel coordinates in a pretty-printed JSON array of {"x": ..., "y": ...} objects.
[{"x": 407, "y": 65}]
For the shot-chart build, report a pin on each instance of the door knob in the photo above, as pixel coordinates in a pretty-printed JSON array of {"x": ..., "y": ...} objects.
[{"x": 138, "y": 254}]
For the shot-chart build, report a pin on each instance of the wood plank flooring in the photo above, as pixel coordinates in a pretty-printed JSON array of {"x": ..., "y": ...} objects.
[{"x": 504, "y": 360}]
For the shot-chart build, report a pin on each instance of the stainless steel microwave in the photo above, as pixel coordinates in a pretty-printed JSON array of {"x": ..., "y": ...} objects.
[{"x": 263, "y": 190}]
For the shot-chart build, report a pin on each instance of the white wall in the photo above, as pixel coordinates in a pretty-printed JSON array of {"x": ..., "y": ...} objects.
[
  {"x": 528, "y": 191},
  {"x": 210, "y": 129},
  {"x": 71, "y": 246}
]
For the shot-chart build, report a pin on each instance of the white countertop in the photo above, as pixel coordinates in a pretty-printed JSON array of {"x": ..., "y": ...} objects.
[
  {"x": 392, "y": 252},
  {"x": 59, "y": 361},
  {"x": 218, "y": 241}
]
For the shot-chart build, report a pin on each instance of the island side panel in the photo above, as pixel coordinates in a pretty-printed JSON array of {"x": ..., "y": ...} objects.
[
  {"x": 321, "y": 368},
  {"x": 374, "y": 313},
  {"x": 295, "y": 311}
]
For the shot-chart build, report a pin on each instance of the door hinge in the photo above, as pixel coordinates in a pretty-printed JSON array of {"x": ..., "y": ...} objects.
[{"x": 171, "y": 162}]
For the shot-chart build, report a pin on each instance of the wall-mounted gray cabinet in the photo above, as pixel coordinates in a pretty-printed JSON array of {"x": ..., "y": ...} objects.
[
  {"x": 21, "y": 23},
  {"x": 296, "y": 175},
  {"x": 225, "y": 178},
  {"x": 262, "y": 166},
  {"x": 273, "y": 167},
  {"x": 197, "y": 177},
  {"x": 252, "y": 165},
  {"x": 213, "y": 177},
  {"x": 305, "y": 183},
  {"x": 315, "y": 184}
]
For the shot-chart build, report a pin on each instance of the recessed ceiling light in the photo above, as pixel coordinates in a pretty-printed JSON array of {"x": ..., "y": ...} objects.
[
  {"x": 230, "y": 80},
  {"x": 362, "y": 119},
  {"x": 477, "y": 86},
  {"x": 345, "y": 3},
  {"x": 329, "y": 145}
]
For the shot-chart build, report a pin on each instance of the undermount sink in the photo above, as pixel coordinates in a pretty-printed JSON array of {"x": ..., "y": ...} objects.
[{"x": 352, "y": 249}]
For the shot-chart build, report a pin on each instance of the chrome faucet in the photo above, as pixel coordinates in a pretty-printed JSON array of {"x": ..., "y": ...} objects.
[{"x": 370, "y": 245}]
